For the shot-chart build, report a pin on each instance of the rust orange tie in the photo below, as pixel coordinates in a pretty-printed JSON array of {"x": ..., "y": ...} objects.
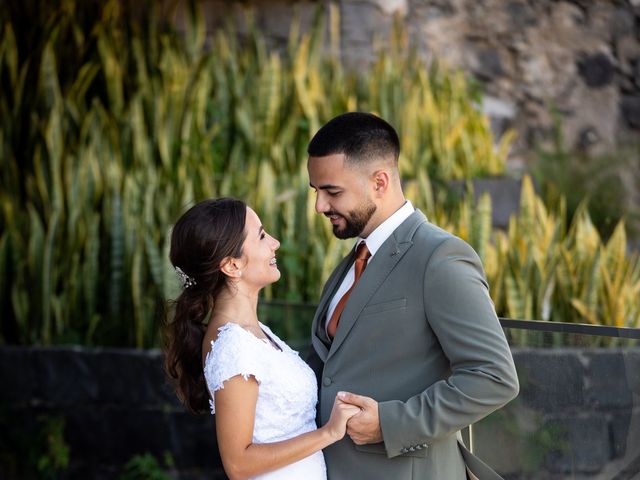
[{"x": 362, "y": 255}]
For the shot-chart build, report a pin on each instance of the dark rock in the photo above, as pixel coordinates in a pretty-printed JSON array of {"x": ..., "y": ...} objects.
[
  {"x": 103, "y": 440},
  {"x": 505, "y": 197},
  {"x": 605, "y": 380},
  {"x": 630, "y": 106},
  {"x": 90, "y": 432},
  {"x": 539, "y": 135},
  {"x": 110, "y": 376},
  {"x": 622, "y": 22},
  {"x": 500, "y": 125},
  {"x": 504, "y": 193},
  {"x": 363, "y": 21},
  {"x": 131, "y": 376},
  {"x": 64, "y": 377},
  {"x": 587, "y": 138},
  {"x": 596, "y": 70},
  {"x": 82, "y": 470},
  {"x": 112, "y": 435},
  {"x": 193, "y": 440},
  {"x": 631, "y": 360},
  {"x": 17, "y": 375},
  {"x": 521, "y": 15},
  {"x": 25, "y": 441},
  {"x": 579, "y": 446},
  {"x": 619, "y": 425},
  {"x": 501, "y": 114},
  {"x": 551, "y": 381},
  {"x": 433, "y": 9},
  {"x": 121, "y": 413},
  {"x": 489, "y": 65}
]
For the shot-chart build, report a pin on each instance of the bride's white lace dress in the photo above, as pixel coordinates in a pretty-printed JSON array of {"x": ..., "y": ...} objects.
[{"x": 287, "y": 393}]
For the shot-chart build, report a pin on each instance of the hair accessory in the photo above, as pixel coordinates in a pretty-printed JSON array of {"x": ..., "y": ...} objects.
[{"x": 186, "y": 280}]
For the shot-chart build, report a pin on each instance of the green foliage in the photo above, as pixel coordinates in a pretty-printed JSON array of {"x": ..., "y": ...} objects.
[
  {"x": 574, "y": 177},
  {"x": 540, "y": 269},
  {"x": 112, "y": 124},
  {"x": 35, "y": 450},
  {"x": 147, "y": 467},
  {"x": 441, "y": 130},
  {"x": 531, "y": 438},
  {"x": 55, "y": 457}
]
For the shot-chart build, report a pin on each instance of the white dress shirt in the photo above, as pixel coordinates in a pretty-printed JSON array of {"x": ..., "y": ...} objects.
[{"x": 374, "y": 241}]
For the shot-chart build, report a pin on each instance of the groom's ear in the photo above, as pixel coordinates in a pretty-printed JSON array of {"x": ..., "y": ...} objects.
[{"x": 380, "y": 180}]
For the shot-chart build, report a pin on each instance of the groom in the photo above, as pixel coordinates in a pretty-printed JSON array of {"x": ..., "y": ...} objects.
[{"x": 405, "y": 322}]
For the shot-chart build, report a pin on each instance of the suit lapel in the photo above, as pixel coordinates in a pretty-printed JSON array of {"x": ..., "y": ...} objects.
[
  {"x": 319, "y": 337},
  {"x": 378, "y": 269}
]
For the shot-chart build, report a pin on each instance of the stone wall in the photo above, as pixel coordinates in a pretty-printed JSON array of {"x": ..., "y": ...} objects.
[
  {"x": 579, "y": 57},
  {"x": 115, "y": 404},
  {"x": 577, "y": 416}
]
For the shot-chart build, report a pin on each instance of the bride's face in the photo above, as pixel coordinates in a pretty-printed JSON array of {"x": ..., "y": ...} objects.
[{"x": 259, "y": 254}]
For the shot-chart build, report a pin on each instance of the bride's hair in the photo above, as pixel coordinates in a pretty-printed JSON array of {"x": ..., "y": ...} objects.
[{"x": 206, "y": 234}]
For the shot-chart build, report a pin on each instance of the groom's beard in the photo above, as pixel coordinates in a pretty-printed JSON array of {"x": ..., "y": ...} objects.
[{"x": 355, "y": 221}]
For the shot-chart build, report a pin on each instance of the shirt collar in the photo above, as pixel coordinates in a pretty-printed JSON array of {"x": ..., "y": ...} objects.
[{"x": 376, "y": 238}]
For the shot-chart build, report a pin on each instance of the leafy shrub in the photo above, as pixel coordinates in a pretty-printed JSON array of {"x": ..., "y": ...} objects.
[{"x": 112, "y": 124}]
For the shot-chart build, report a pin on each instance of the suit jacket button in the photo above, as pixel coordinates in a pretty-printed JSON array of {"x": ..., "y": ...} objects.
[{"x": 326, "y": 381}]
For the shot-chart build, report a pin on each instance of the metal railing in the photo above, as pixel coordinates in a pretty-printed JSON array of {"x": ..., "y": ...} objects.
[{"x": 578, "y": 411}]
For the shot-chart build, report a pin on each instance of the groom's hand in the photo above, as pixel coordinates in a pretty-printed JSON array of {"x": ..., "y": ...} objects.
[{"x": 363, "y": 427}]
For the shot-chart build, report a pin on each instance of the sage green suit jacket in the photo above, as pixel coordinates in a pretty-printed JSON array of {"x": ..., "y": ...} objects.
[{"x": 419, "y": 334}]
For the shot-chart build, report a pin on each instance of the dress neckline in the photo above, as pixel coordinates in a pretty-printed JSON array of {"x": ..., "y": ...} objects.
[{"x": 270, "y": 341}]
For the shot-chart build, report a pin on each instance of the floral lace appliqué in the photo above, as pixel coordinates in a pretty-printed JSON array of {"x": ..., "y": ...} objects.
[{"x": 287, "y": 392}]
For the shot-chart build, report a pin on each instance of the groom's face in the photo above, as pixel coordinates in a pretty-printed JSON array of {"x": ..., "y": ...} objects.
[{"x": 342, "y": 195}]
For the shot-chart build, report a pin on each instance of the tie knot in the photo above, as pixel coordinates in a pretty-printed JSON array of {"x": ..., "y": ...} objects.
[{"x": 362, "y": 252}]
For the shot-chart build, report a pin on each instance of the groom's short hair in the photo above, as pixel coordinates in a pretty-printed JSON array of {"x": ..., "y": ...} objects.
[{"x": 360, "y": 136}]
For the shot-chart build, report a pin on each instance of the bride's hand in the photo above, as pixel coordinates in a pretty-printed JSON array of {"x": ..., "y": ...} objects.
[{"x": 341, "y": 412}]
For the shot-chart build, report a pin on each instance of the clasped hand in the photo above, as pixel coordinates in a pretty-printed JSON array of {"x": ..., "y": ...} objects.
[{"x": 364, "y": 426}]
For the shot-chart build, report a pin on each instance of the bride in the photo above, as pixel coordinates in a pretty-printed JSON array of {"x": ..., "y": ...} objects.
[{"x": 219, "y": 355}]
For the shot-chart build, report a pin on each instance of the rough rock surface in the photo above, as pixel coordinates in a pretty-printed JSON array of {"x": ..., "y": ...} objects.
[{"x": 580, "y": 59}]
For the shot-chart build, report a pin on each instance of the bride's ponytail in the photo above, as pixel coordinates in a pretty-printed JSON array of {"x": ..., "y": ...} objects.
[{"x": 205, "y": 235}]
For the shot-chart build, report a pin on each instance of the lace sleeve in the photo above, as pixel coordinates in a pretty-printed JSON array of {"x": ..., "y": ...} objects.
[{"x": 233, "y": 353}]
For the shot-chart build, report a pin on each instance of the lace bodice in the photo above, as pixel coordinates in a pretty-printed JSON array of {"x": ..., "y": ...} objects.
[{"x": 287, "y": 394}]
